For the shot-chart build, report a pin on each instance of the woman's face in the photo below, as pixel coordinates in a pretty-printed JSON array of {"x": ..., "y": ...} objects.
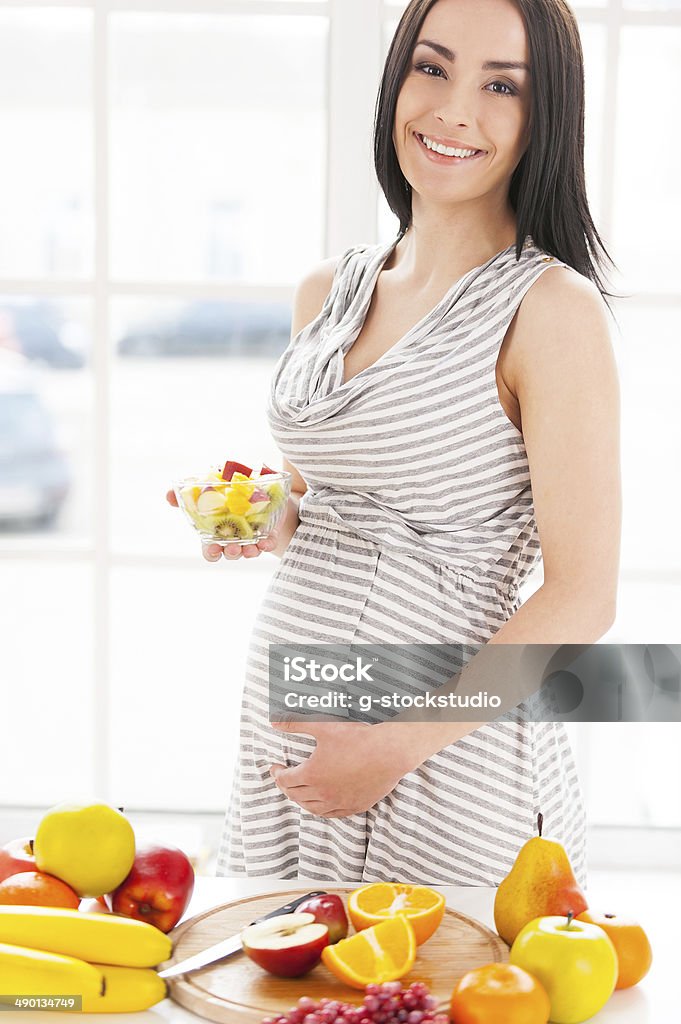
[{"x": 451, "y": 97}]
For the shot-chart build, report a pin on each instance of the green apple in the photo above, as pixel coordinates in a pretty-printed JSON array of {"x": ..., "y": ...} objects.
[{"x": 576, "y": 963}]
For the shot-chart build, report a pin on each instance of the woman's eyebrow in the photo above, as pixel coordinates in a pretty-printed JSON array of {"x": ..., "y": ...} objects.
[{"x": 489, "y": 65}]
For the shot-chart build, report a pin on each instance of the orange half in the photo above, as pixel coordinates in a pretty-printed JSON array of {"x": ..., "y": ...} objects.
[
  {"x": 423, "y": 907},
  {"x": 384, "y": 952}
]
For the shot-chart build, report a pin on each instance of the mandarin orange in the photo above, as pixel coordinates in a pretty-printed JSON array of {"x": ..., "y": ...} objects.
[
  {"x": 634, "y": 954},
  {"x": 37, "y": 889},
  {"x": 499, "y": 994}
]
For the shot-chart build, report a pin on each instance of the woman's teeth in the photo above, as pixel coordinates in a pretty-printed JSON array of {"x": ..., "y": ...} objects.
[{"x": 447, "y": 150}]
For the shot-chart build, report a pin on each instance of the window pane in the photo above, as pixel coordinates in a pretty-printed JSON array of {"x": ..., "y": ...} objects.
[
  {"x": 647, "y": 613},
  {"x": 219, "y": 149},
  {"x": 46, "y": 130},
  {"x": 653, "y": 5},
  {"x": 647, "y": 757},
  {"x": 46, "y": 412},
  {"x": 178, "y": 665},
  {"x": 47, "y": 696},
  {"x": 175, "y": 413},
  {"x": 650, "y": 368},
  {"x": 647, "y": 196}
]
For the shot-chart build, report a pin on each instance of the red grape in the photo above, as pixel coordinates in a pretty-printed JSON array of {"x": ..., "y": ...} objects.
[{"x": 388, "y": 1003}]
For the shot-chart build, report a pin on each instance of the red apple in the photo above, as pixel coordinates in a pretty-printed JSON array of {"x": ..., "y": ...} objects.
[
  {"x": 266, "y": 469},
  {"x": 157, "y": 888},
  {"x": 234, "y": 467},
  {"x": 328, "y": 910},
  {"x": 16, "y": 856},
  {"x": 288, "y": 945}
]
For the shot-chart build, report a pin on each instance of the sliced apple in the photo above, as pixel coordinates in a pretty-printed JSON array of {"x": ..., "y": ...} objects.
[
  {"x": 259, "y": 500},
  {"x": 210, "y": 501},
  {"x": 189, "y": 496},
  {"x": 288, "y": 945}
]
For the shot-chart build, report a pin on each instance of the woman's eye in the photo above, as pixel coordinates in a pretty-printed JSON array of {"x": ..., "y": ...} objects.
[
  {"x": 428, "y": 68},
  {"x": 433, "y": 71},
  {"x": 510, "y": 90}
]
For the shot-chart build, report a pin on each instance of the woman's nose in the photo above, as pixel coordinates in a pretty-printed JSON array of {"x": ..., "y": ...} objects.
[{"x": 457, "y": 109}]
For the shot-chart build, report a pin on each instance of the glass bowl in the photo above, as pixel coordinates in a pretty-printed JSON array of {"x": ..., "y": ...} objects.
[{"x": 239, "y": 511}]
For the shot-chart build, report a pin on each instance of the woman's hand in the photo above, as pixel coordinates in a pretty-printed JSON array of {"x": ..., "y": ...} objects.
[
  {"x": 214, "y": 552},
  {"x": 353, "y": 766}
]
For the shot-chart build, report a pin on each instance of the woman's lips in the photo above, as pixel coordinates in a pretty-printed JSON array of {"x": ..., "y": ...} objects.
[{"x": 440, "y": 158}]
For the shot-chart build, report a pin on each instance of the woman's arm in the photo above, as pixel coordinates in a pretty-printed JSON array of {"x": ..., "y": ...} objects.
[
  {"x": 561, "y": 369},
  {"x": 308, "y": 300}
]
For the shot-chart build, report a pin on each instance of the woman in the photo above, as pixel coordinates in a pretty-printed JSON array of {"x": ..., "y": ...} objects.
[{"x": 446, "y": 406}]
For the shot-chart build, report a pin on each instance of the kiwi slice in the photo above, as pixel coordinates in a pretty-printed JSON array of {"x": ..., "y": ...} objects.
[
  {"x": 259, "y": 519},
  {"x": 237, "y": 527},
  {"x": 276, "y": 493}
]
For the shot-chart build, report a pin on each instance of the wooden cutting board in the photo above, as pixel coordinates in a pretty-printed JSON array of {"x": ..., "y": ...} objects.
[{"x": 237, "y": 991}]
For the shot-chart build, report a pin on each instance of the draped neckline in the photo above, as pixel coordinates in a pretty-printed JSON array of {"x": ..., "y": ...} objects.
[{"x": 382, "y": 259}]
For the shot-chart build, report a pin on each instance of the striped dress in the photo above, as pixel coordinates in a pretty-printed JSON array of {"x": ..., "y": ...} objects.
[{"x": 417, "y": 527}]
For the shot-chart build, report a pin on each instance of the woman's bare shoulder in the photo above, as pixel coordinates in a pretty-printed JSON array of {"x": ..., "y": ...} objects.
[
  {"x": 561, "y": 324},
  {"x": 566, "y": 300},
  {"x": 311, "y": 293}
]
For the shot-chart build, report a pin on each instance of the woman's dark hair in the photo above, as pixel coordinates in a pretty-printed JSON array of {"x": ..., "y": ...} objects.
[{"x": 548, "y": 189}]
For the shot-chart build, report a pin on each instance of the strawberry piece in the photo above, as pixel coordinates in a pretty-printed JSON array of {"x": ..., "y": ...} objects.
[{"x": 234, "y": 467}]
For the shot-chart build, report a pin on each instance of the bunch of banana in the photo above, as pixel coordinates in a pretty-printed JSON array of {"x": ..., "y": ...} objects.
[{"x": 103, "y": 958}]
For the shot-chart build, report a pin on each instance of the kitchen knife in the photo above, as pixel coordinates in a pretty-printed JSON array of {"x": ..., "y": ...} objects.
[{"x": 231, "y": 945}]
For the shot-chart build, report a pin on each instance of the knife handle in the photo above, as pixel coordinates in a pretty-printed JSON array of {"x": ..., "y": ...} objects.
[{"x": 289, "y": 907}]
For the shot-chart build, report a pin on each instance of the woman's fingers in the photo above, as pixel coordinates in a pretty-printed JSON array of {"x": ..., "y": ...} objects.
[
  {"x": 269, "y": 542},
  {"x": 232, "y": 551},
  {"x": 171, "y": 498},
  {"x": 211, "y": 552}
]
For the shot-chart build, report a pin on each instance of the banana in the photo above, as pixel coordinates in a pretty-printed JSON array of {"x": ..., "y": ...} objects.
[
  {"x": 127, "y": 989},
  {"x": 31, "y": 972},
  {"x": 100, "y": 938}
]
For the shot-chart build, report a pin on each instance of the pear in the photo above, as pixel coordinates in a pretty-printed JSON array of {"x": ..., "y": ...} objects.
[{"x": 541, "y": 883}]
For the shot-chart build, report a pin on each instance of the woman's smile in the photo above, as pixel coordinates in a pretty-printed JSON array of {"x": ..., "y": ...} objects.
[{"x": 432, "y": 149}]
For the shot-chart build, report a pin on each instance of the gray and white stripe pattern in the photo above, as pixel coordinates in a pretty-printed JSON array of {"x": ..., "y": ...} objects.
[{"x": 417, "y": 527}]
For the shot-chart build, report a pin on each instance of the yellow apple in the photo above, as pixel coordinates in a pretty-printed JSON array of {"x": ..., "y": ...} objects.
[
  {"x": 576, "y": 963},
  {"x": 91, "y": 847}
]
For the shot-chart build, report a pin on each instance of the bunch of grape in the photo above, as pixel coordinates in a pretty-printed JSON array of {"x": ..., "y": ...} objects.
[{"x": 388, "y": 1003}]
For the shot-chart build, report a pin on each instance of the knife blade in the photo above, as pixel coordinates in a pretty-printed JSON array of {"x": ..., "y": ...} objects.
[{"x": 226, "y": 947}]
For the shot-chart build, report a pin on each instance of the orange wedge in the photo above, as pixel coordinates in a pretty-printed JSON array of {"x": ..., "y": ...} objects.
[
  {"x": 384, "y": 952},
  {"x": 423, "y": 907}
]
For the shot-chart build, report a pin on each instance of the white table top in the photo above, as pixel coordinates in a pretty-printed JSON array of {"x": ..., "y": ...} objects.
[{"x": 656, "y": 904}]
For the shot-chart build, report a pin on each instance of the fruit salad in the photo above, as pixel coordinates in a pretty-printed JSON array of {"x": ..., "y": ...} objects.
[{"x": 235, "y": 504}]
